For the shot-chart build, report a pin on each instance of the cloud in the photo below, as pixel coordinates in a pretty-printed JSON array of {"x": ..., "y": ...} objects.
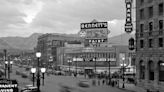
[
  {"x": 116, "y": 27},
  {"x": 24, "y": 17}
]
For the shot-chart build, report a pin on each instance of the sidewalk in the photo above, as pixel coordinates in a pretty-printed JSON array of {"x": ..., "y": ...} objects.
[{"x": 131, "y": 87}]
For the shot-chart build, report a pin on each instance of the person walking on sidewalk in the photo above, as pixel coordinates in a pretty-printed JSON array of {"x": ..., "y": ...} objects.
[{"x": 103, "y": 81}]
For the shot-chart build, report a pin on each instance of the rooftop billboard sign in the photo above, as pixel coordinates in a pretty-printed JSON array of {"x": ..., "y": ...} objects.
[{"x": 94, "y": 30}]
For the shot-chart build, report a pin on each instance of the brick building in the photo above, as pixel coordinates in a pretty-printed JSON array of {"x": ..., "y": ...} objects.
[{"x": 150, "y": 44}]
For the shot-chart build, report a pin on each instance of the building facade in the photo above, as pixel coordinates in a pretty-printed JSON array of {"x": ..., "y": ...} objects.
[
  {"x": 48, "y": 44},
  {"x": 94, "y": 58},
  {"x": 150, "y": 44}
]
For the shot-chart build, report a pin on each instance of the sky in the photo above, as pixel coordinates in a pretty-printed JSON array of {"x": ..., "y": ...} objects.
[{"x": 25, "y": 17}]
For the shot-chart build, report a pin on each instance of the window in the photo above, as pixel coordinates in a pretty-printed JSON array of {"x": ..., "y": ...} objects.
[
  {"x": 161, "y": 70},
  {"x": 160, "y": 9},
  {"x": 149, "y": 1},
  {"x": 141, "y": 43},
  {"x": 141, "y": 29},
  {"x": 160, "y": 40},
  {"x": 141, "y": 2},
  {"x": 151, "y": 70},
  {"x": 142, "y": 70},
  {"x": 160, "y": 24},
  {"x": 142, "y": 14},
  {"x": 151, "y": 26},
  {"x": 150, "y": 43},
  {"x": 150, "y": 11}
]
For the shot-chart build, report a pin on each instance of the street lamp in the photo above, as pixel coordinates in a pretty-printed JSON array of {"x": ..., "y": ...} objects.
[
  {"x": 69, "y": 63},
  {"x": 8, "y": 65},
  {"x": 11, "y": 63},
  {"x": 43, "y": 70},
  {"x": 38, "y": 55},
  {"x": 108, "y": 61},
  {"x": 94, "y": 59},
  {"x": 123, "y": 85},
  {"x": 75, "y": 61},
  {"x": 33, "y": 70}
]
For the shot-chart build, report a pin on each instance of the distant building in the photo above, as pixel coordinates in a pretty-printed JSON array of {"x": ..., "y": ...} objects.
[
  {"x": 150, "y": 44},
  {"x": 48, "y": 44},
  {"x": 83, "y": 58}
]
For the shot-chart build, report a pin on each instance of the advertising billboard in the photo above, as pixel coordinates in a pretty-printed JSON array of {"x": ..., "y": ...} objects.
[{"x": 94, "y": 30}]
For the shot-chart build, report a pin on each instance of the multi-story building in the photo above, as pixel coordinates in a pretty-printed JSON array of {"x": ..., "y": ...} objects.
[
  {"x": 150, "y": 44},
  {"x": 91, "y": 58},
  {"x": 48, "y": 44}
]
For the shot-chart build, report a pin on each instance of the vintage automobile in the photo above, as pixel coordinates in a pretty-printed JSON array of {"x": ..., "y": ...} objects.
[{"x": 29, "y": 88}]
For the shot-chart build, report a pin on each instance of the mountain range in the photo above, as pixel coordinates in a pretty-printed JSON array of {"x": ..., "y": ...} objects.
[{"x": 17, "y": 44}]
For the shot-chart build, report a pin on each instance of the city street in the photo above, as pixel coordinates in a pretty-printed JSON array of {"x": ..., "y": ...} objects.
[{"x": 53, "y": 83}]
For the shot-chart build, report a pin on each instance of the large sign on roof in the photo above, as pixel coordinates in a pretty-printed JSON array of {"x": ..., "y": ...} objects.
[{"x": 94, "y": 29}]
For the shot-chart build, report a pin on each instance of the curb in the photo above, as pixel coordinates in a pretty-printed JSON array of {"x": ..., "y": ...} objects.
[{"x": 127, "y": 90}]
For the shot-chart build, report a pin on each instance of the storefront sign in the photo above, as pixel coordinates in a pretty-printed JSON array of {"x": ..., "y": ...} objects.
[{"x": 8, "y": 85}]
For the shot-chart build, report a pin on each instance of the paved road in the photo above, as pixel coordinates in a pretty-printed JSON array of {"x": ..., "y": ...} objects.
[{"x": 53, "y": 83}]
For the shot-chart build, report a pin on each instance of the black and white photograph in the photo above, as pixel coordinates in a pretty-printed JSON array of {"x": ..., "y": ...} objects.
[{"x": 81, "y": 46}]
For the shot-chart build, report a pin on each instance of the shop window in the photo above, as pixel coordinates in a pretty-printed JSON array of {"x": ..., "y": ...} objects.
[
  {"x": 161, "y": 70},
  {"x": 142, "y": 70},
  {"x": 160, "y": 9},
  {"x": 151, "y": 70}
]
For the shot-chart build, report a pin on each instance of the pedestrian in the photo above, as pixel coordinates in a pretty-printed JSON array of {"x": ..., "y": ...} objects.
[
  {"x": 99, "y": 82},
  {"x": 94, "y": 82},
  {"x": 103, "y": 81}
]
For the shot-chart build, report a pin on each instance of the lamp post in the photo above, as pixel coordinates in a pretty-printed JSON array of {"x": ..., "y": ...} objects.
[
  {"x": 43, "y": 70},
  {"x": 38, "y": 55},
  {"x": 8, "y": 66},
  {"x": 5, "y": 51},
  {"x": 6, "y": 63},
  {"x": 95, "y": 67},
  {"x": 123, "y": 85},
  {"x": 84, "y": 67},
  {"x": 33, "y": 70},
  {"x": 108, "y": 61},
  {"x": 69, "y": 63},
  {"x": 11, "y": 63}
]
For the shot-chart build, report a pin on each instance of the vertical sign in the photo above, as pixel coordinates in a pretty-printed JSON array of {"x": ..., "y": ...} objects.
[{"x": 128, "y": 24}]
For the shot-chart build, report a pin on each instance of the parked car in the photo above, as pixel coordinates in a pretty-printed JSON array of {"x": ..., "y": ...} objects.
[
  {"x": 24, "y": 75},
  {"x": 84, "y": 84},
  {"x": 59, "y": 73},
  {"x": 29, "y": 88}
]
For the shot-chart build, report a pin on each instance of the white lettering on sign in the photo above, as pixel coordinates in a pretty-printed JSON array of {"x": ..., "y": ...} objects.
[
  {"x": 94, "y": 25},
  {"x": 8, "y": 86},
  {"x": 6, "y": 90}
]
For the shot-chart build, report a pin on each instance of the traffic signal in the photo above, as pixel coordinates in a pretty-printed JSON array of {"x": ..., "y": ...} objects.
[{"x": 131, "y": 44}]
